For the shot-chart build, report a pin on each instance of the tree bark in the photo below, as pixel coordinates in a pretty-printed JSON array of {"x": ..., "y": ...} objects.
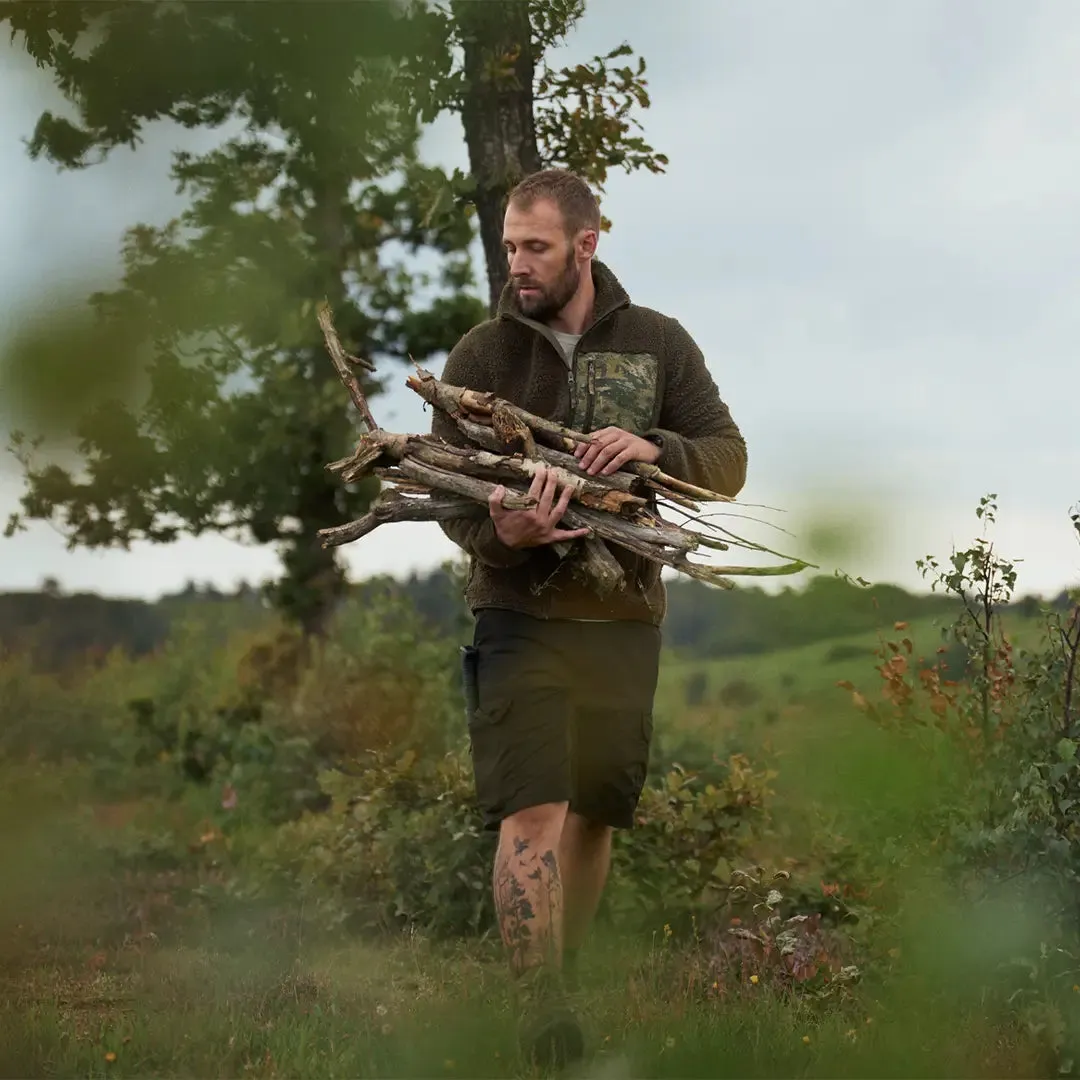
[
  {"x": 497, "y": 114},
  {"x": 314, "y": 580}
]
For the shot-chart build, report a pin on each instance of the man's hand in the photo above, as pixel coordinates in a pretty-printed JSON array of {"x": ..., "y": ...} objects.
[
  {"x": 610, "y": 448},
  {"x": 540, "y": 525}
]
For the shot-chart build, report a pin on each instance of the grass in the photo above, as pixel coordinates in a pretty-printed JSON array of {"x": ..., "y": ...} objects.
[
  {"x": 104, "y": 972},
  {"x": 413, "y": 1009}
]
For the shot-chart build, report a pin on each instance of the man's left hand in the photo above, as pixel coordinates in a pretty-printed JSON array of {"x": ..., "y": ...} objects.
[{"x": 610, "y": 448}]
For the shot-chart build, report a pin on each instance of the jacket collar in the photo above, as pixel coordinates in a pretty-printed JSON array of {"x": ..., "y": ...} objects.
[{"x": 610, "y": 296}]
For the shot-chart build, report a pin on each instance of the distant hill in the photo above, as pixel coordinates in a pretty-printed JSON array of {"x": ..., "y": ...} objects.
[{"x": 59, "y": 629}]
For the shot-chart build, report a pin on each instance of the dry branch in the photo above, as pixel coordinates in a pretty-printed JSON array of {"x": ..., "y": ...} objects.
[
  {"x": 434, "y": 480},
  {"x": 457, "y": 399},
  {"x": 400, "y": 508}
]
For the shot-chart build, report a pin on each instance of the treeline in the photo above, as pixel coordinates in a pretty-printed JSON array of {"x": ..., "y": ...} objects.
[{"x": 63, "y": 630}]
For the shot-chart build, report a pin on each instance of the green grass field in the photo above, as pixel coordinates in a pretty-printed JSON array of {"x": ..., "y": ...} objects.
[{"x": 104, "y": 974}]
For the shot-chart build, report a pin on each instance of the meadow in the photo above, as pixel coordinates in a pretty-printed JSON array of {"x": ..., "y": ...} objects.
[{"x": 239, "y": 856}]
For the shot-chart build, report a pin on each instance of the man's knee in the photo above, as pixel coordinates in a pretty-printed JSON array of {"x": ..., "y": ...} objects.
[
  {"x": 586, "y": 832},
  {"x": 535, "y": 825}
]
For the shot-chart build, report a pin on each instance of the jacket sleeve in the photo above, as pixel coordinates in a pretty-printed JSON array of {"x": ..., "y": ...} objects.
[
  {"x": 475, "y": 538},
  {"x": 701, "y": 442}
]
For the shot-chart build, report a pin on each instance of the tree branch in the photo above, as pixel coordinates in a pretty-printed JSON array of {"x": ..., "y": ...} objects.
[
  {"x": 456, "y": 400},
  {"x": 386, "y": 511},
  {"x": 341, "y": 361}
]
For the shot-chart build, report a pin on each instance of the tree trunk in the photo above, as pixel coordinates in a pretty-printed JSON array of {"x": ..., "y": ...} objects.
[
  {"x": 314, "y": 580},
  {"x": 497, "y": 113}
]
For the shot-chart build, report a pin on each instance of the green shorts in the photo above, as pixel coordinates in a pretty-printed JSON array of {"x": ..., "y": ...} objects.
[{"x": 560, "y": 711}]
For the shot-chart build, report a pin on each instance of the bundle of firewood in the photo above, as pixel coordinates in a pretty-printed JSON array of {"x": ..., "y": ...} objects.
[{"x": 428, "y": 479}]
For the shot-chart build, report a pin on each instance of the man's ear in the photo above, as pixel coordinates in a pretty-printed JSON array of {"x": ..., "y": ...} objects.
[{"x": 586, "y": 245}]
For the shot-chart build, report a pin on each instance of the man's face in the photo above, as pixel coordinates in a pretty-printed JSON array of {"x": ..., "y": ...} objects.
[{"x": 545, "y": 264}]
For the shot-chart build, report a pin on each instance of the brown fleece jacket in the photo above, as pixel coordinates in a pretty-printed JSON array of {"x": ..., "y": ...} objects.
[{"x": 633, "y": 368}]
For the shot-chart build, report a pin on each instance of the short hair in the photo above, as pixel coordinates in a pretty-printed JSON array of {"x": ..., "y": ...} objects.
[{"x": 579, "y": 207}]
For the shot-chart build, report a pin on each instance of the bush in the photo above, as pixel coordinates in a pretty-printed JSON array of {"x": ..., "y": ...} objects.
[
  {"x": 847, "y": 650},
  {"x": 1008, "y": 723},
  {"x": 738, "y": 694},
  {"x": 44, "y": 717},
  {"x": 380, "y": 683},
  {"x": 695, "y": 688},
  {"x": 401, "y": 846},
  {"x": 676, "y": 861}
]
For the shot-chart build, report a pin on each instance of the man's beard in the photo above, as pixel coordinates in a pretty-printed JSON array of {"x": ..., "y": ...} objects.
[{"x": 552, "y": 299}]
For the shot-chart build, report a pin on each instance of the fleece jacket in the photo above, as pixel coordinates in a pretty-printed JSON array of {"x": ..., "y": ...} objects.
[{"x": 633, "y": 368}]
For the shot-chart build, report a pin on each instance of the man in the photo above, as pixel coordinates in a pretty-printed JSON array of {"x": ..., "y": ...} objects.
[{"x": 560, "y": 683}]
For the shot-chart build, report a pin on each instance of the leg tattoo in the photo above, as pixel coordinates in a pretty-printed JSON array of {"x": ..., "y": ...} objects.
[{"x": 528, "y": 904}]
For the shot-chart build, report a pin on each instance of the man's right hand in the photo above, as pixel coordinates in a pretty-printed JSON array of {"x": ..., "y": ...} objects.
[{"x": 540, "y": 525}]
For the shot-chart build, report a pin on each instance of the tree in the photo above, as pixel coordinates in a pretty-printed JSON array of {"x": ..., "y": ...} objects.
[
  {"x": 239, "y": 412},
  {"x": 521, "y": 114},
  {"x": 317, "y": 193}
]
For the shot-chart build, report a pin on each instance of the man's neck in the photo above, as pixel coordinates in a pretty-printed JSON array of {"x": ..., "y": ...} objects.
[{"x": 579, "y": 312}]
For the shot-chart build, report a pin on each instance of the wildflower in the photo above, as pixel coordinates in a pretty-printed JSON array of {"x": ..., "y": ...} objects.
[
  {"x": 754, "y": 979},
  {"x": 669, "y": 1042},
  {"x": 806, "y": 1040},
  {"x": 110, "y": 1057},
  {"x": 667, "y": 930},
  {"x": 851, "y": 1034},
  {"x": 1076, "y": 989},
  {"x": 386, "y": 1029},
  {"x": 380, "y": 1010}
]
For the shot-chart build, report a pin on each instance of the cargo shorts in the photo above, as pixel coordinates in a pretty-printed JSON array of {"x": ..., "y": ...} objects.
[{"x": 560, "y": 711}]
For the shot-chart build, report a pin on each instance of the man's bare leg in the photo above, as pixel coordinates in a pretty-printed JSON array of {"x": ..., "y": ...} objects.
[
  {"x": 584, "y": 860},
  {"x": 528, "y": 886},
  {"x": 529, "y": 907}
]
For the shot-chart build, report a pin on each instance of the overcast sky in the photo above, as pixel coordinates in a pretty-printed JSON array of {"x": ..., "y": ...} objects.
[{"x": 870, "y": 224}]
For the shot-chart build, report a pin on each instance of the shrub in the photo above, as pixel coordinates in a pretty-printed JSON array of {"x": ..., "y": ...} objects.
[
  {"x": 766, "y": 939},
  {"x": 45, "y": 717},
  {"x": 1010, "y": 731},
  {"x": 738, "y": 694},
  {"x": 401, "y": 846},
  {"x": 676, "y": 861},
  {"x": 695, "y": 688},
  {"x": 380, "y": 683},
  {"x": 847, "y": 650}
]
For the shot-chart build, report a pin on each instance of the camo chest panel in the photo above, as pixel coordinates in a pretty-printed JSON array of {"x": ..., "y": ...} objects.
[{"x": 620, "y": 389}]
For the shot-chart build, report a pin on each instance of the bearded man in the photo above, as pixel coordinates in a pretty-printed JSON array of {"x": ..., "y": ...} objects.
[{"x": 560, "y": 683}]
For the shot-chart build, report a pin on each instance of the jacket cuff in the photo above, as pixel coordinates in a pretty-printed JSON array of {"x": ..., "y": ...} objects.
[
  {"x": 672, "y": 459},
  {"x": 489, "y": 549}
]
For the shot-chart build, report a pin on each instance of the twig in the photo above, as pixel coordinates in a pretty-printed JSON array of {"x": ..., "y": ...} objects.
[
  {"x": 431, "y": 508},
  {"x": 341, "y": 360}
]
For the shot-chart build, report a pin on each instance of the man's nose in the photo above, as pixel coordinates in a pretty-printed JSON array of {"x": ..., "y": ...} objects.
[{"x": 519, "y": 265}]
